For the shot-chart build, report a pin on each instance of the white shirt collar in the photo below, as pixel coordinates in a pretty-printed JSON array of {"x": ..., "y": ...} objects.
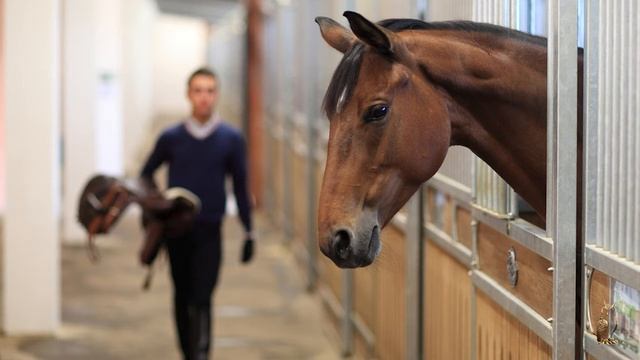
[{"x": 199, "y": 130}]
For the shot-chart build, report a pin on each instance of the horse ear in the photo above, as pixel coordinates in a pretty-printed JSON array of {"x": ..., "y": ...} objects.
[
  {"x": 370, "y": 33},
  {"x": 336, "y": 35}
]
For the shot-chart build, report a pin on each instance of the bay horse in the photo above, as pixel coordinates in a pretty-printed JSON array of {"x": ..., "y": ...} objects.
[{"x": 407, "y": 90}]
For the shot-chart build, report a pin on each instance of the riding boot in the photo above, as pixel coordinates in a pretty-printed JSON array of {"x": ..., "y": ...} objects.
[
  {"x": 199, "y": 332},
  {"x": 181, "y": 315}
]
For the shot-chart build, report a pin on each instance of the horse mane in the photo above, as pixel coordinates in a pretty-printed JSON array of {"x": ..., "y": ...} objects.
[
  {"x": 345, "y": 77},
  {"x": 397, "y": 25}
]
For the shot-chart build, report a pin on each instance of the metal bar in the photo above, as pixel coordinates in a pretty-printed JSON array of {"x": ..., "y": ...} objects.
[
  {"x": 592, "y": 110},
  {"x": 600, "y": 75},
  {"x": 618, "y": 268},
  {"x": 608, "y": 136},
  {"x": 448, "y": 245},
  {"x": 636, "y": 101},
  {"x": 497, "y": 221},
  {"x": 414, "y": 279},
  {"x": 617, "y": 150},
  {"x": 329, "y": 298},
  {"x": 474, "y": 310},
  {"x": 561, "y": 174},
  {"x": 631, "y": 123},
  {"x": 600, "y": 351},
  {"x": 347, "y": 307},
  {"x": 627, "y": 139},
  {"x": 451, "y": 187},
  {"x": 514, "y": 306},
  {"x": 312, "y": 140},
  {"x": 288, "y": 177},
  {"x": 532, "y": 237}
]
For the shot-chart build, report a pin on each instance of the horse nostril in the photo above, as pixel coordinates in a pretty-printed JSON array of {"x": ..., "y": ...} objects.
[{"x": 342, "y": 244}]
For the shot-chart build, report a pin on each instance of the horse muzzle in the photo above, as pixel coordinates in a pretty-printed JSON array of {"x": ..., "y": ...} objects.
[{"x": 351, "y": 250}]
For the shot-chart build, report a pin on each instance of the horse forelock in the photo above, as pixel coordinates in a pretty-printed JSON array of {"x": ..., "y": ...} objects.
[{"x": 343, "y": 81}]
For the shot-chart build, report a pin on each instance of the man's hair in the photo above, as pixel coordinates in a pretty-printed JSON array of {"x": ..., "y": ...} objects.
[{"x": 202, "y": 71}]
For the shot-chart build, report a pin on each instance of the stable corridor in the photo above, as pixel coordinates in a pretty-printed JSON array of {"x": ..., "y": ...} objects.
[{"x": 262, "y": 311}]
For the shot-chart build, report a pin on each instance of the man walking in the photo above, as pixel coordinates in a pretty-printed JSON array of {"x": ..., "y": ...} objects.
[{"x": 201, "y": 151}]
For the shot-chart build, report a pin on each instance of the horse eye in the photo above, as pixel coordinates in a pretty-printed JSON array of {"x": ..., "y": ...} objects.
[{"x": 376, "y": 113}]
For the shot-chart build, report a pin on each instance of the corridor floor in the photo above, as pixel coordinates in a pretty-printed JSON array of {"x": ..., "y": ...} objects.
[{"x": 261, "y": 310}]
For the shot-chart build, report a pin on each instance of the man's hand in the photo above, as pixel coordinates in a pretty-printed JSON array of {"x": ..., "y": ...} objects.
[{"x": 247, "y": 250}]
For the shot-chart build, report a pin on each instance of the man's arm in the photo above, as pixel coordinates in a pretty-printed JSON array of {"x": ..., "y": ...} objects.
[
  {"x": 238, "y": 169},
  {"x": 159, "y": 155}
]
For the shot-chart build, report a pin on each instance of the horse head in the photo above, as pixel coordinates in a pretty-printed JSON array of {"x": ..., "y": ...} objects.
[{"x": 389, "y": 132}]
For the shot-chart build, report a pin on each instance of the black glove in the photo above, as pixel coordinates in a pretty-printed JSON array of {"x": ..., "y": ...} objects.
[{"x": 247, "y": 250}]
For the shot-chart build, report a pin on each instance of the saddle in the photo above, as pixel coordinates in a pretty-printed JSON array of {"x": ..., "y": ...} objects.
[{"x": 165, "y": 215}]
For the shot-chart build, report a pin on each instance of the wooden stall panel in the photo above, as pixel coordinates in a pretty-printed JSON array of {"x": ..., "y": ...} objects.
[
  {"x": 390, "y": 296},
  {"x": 501, "y": 336},
  {"x": 535, "y": 281},
  {"x": 447, "y": 306}
]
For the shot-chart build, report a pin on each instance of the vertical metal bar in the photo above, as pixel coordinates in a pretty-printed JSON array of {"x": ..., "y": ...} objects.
[
  {"x": 493, "y": 190},
  {"x": 608, "y": 136},
  {"x": 637, "y": 133},
  {"x": 562, "y": 168},
  {"x": 474, "y": 312},
  {"x": 414, "y": 279},
  {"x": 598, "y": 86},
  {"x": 513, "y": 14},
  {"x": 474, "y": 177},
  {"x": 486, "y": 190},
  {"x": 312, "y": 140},
  {"x": 591, "y": 140},
  {"x": 592, "y": 111},
  {"x": 631, "y": 58},
  {"x": 615, "y": 122},
  {"x": 347, "y": 307},
  {"x": 630, "y": 178}
]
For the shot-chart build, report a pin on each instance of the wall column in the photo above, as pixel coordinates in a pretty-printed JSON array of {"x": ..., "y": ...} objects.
[{"x": 31, "y": 246}]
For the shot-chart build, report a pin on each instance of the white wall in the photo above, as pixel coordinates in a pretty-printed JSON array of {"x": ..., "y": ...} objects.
[
  {"x": 2, "y": 119},
  {"x": 139, "y": 17},
  {"x": 179, "y": 47},
  {"x": 92, "y": 116},
  {"x": 30, "y": 256}
]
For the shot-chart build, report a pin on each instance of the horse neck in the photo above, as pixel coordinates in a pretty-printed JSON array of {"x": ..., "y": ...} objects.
[{"x": 495, "y": 92}]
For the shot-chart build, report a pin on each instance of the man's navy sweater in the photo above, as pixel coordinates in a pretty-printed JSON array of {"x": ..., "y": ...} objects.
[{"x": 201, "y": 166}]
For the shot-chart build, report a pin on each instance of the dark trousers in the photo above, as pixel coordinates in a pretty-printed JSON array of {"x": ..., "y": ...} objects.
[{"x": 195, "y": 262}]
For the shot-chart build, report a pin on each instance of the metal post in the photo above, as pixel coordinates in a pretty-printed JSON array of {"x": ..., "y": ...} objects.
[
  {"x": 312, "y": 140},
  {"x": 347, "y": 307},
  {"x": 561, "y": 170},
  {"x": 474, "y": 311},
  {"x": 414, "y": 272},
  {"x": 590, "y": 152}
]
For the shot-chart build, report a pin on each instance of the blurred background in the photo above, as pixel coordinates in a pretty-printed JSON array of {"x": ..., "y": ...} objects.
[{"x": 87, "y": 85}]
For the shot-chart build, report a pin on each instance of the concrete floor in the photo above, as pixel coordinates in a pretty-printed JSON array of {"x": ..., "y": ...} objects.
[{"x": 261, "y": 310}]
